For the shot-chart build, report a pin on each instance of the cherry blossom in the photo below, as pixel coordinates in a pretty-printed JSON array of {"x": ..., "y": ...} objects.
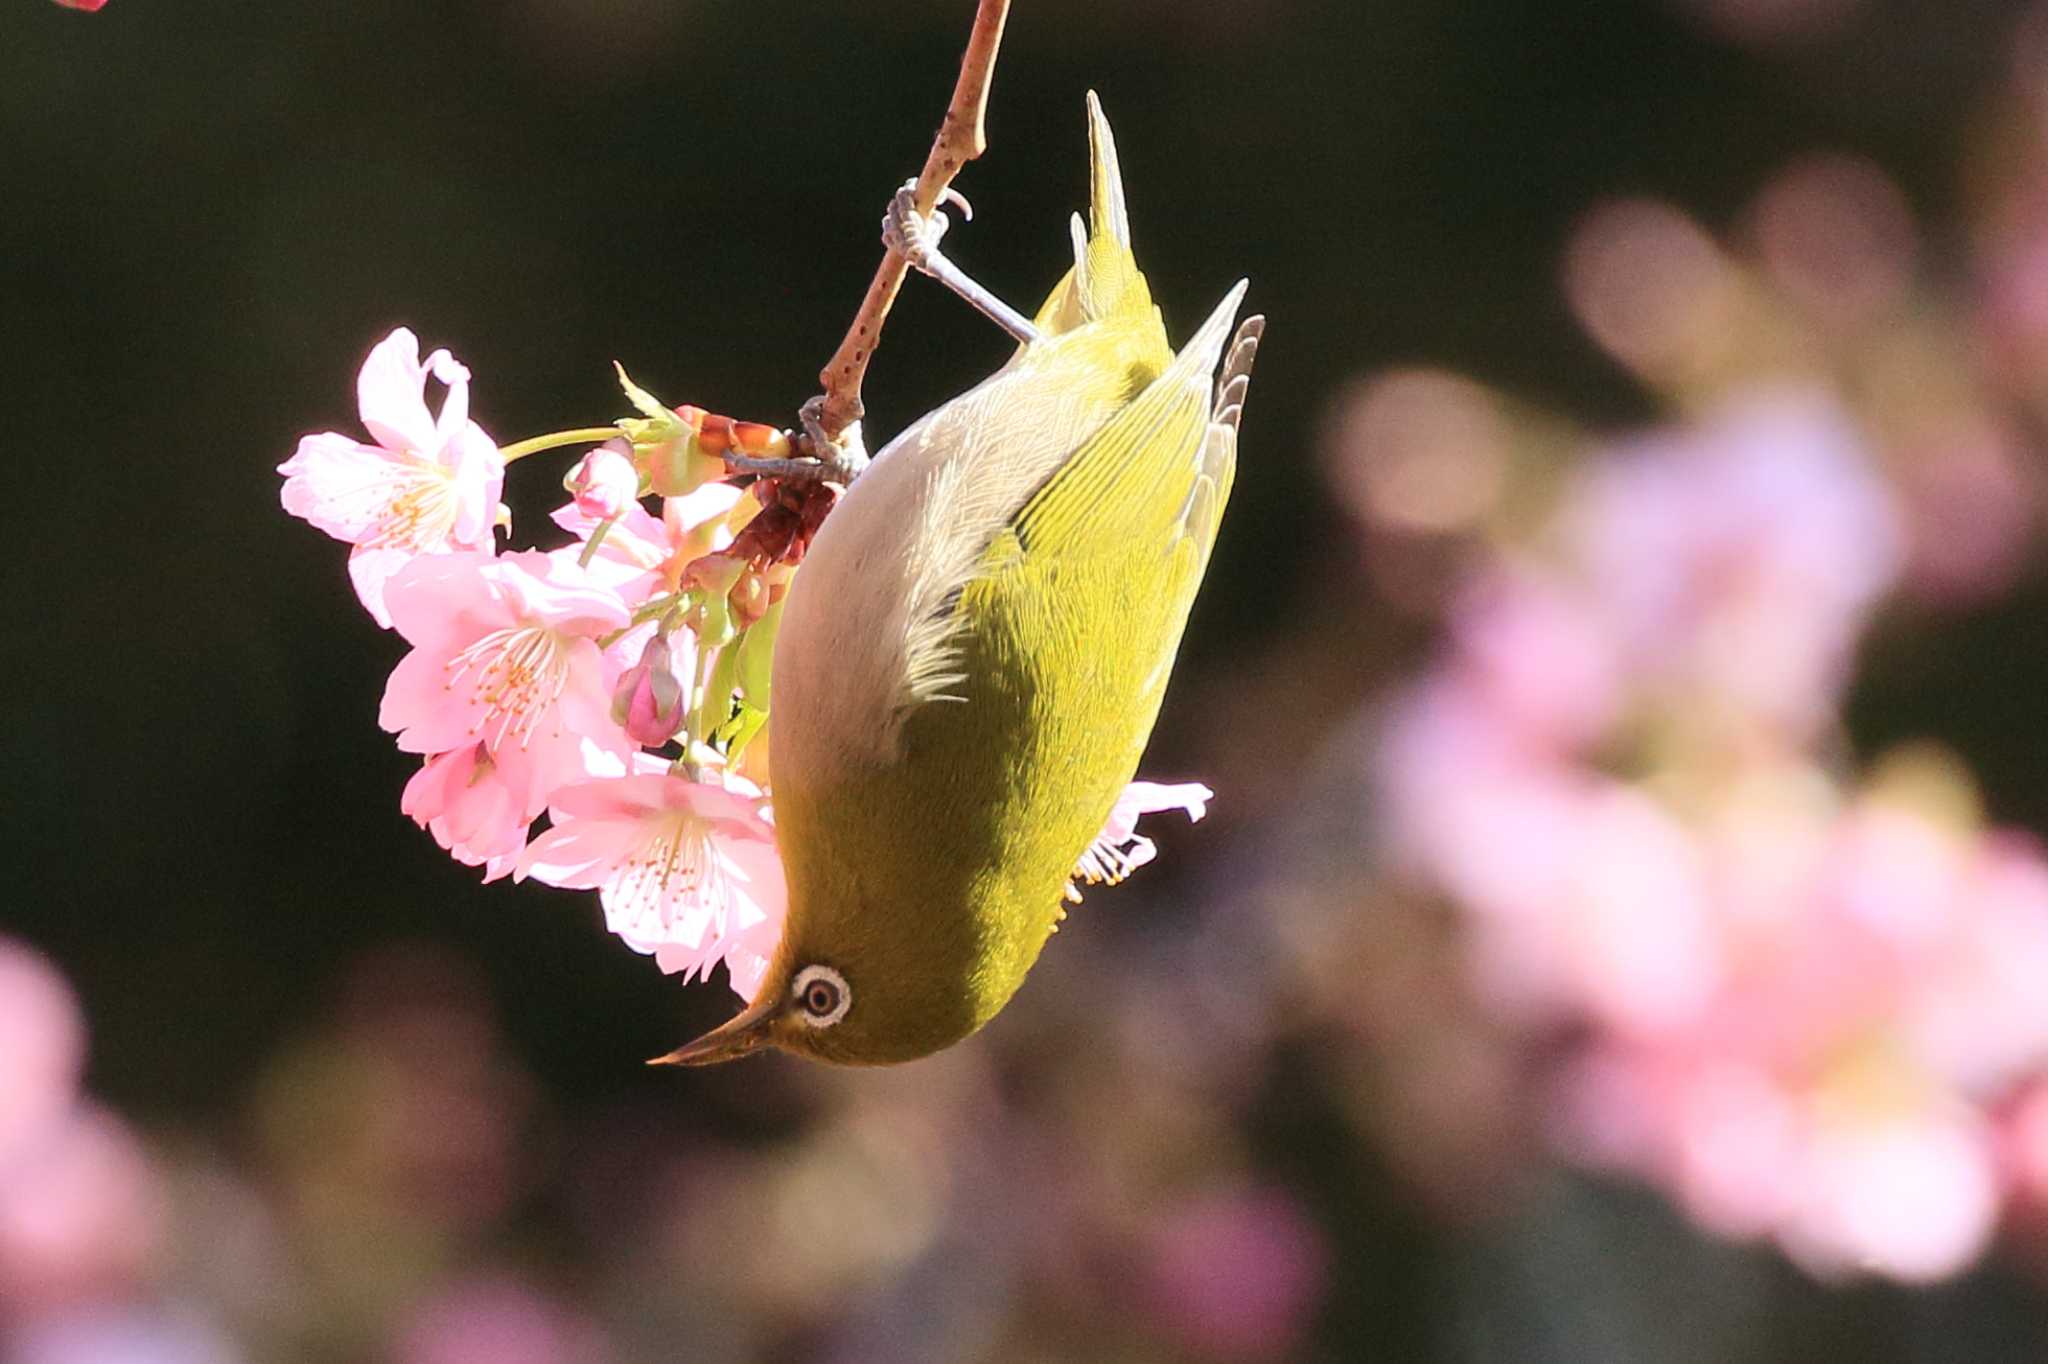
[
  {"x": 506, "y": 655},
  {"x": 479, "y": 805},
  {"x": 429, "y": 485},
  {"x": 686, "y": 869}
]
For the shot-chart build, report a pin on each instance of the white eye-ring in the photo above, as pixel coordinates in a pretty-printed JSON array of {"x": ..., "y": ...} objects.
[{"x": 822, "y": 996}]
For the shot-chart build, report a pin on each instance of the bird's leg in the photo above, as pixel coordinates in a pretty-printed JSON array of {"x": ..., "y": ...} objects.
[{"x": 916, "y": 238}]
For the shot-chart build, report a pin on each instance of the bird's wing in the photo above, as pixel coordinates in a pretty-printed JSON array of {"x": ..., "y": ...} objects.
[
  {"x": 1135, "y": 480},
  {"x": 1150, "y": 480}
]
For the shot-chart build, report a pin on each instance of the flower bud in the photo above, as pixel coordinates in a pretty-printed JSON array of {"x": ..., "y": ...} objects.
[
  {"x": 715, "y": 575},
  {"x": 604, "y": 483},
  {"x": 648, "y": 701}
]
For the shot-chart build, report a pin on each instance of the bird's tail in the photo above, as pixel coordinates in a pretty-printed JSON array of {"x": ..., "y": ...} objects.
[{"x": 1105, "y": 281}]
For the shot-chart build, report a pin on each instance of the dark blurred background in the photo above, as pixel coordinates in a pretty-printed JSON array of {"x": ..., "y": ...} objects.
[{"x": 385, "y": 1112}]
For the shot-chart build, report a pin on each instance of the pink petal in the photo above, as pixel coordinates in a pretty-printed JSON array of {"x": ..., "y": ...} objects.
[
  {"x": 476, "y": 808},
  {"x": 626, "y": 798},
  {"x": 370, "y": 571},
  {"x": 579, "y": 855},
  {"x": 417, "y": 707},
  {"x": 699, "y": 506},
  {"x": 442, "y": 601},
  {"x": 340, "y": 485},
  {"x": 552, "y": 590},
  {"x": 1151, "y": 797},
  {"x": 391, "y": 395},
  {"x": 454, "y": 416},
  {"x": 480, "y": 480}
]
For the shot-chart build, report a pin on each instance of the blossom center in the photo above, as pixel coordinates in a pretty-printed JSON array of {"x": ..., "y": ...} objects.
[
  {"x": 420, "y": 510},
  {"x": 516, "y": 675},
  {"x": 675, "y": 866}
]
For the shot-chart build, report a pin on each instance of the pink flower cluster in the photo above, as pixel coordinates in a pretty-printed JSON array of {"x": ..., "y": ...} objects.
[
  {"x": 1804, "y": 1000},
  {"x": 615, "y": 685},
  {"x": 526, "y": 690}
]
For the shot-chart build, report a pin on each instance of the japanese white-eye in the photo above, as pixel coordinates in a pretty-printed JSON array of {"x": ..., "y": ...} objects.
[{"x": 973, "y": 654}]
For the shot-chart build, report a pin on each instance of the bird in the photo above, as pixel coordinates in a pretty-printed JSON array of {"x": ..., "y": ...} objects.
[{"x": 973, "y": 655}]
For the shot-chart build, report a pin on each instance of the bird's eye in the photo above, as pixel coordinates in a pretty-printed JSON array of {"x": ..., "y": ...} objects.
[{"x": 821, "y": 995}]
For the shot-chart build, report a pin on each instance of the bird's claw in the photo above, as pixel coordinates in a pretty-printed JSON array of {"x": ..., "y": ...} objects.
[{"x": 844, "y": 456}]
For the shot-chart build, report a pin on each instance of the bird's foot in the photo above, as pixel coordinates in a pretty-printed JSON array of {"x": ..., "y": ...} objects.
[
  {"x": 842, "y": 457},
  {"x": 915, "y": 237}
]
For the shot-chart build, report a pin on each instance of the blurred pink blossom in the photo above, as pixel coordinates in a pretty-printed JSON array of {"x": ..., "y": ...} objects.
[
  {"x": 1652, "y": 289},
  {"x": 1541, "y": 655},
  {"x": 1837, "y": 236},
  {"x": 43, "y": 1052},
  {"x": 1836, "y": 1093},
  {"x": 1972, "y": 509},
  {"x": 1865, "y": 1172},
  {"x": 1792, "y": 1004},
  {"x": 1911, "y": 1194},
  {"x": 81, "y": 1216},
  {"x": 429, "y": 485},
  {"x": 1419, "y": 451},
  {"x": 686, "y": 870},
  {"x": 1468, "y": 802},
  {"x": 496, "y": 1321},
  {"x": 1737, "y": 559},
  {"x": 1237, "y": 1275}
]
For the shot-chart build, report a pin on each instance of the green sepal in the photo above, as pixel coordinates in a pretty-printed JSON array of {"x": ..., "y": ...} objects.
[
  {"x": 714, "y": 704},
  {"x": 736, "y": 733},
  {"x": 666, "y": 450},
  {"x": 648, "y": 405},
  {"x": 756, "y": 650}
]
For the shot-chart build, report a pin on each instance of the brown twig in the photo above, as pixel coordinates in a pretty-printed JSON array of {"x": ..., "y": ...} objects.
[{"x": 962, "y": 137}]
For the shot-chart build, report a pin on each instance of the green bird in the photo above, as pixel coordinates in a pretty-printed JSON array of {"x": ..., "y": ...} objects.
[{"x": 973, "y": 655}]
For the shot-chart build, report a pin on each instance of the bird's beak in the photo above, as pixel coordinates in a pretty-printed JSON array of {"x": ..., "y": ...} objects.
[{"x": 745, "y": 1032}]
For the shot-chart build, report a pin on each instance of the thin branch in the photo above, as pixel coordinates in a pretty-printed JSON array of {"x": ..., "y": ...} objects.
[{"x": 962, "y": 137}]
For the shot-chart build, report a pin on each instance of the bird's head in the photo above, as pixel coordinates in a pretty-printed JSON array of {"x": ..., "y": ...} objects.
[{"x": 864, "y": 986}]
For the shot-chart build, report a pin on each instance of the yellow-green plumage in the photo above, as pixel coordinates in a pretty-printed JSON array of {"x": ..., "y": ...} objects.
[{"x": 973, "y": 655}]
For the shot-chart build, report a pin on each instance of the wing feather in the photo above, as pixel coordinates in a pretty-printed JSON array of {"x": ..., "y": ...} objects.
[{"x": 1128, "y": 479}]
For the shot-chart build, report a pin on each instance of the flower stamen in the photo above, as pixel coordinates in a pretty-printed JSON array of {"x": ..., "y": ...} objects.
[{"x": 518, "y": 672}]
